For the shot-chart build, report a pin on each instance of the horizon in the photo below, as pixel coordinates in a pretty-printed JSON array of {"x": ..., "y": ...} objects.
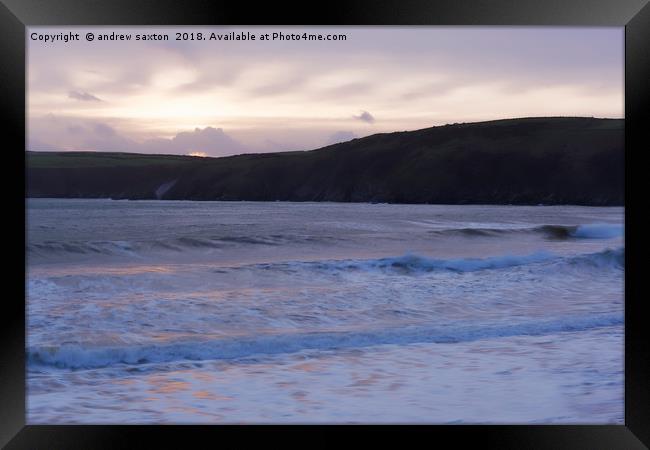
[
  {"x": 224, "y": 99},
  {"x": 319, "y": 148}
]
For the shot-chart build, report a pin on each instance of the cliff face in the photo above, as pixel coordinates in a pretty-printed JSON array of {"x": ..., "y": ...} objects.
[{"x": 517, "y": 161}]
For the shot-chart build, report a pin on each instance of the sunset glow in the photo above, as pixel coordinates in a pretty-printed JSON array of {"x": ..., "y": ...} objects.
[{"x": 220, "y": 98}]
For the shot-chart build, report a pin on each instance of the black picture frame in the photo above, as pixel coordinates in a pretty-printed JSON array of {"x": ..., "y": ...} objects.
[{"x": 16, "y": 15}]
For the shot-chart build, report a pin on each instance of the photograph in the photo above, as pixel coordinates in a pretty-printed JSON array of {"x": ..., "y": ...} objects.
[{"x": 325, "y": 225}]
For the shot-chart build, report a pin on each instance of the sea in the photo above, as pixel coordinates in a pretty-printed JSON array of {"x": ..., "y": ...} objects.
[{"x": 182, "y": 312}]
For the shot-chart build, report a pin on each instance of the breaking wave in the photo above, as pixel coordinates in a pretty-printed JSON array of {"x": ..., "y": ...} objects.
[
  {"x": 73, "y": 356},
  {"x": 412, "y": 263},
  {"x": 190, "y": 243},
  {"x": 589, "y": 231}
]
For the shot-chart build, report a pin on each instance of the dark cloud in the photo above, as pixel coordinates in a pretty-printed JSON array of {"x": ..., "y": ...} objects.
[
  {"x": 83, "y": 96},
  {"x": 341, "y": 136},
  {"x": 365, "y": 116}
]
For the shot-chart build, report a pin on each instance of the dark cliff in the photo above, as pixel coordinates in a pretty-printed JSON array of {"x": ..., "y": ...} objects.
[{"x": 515, "y": 161}]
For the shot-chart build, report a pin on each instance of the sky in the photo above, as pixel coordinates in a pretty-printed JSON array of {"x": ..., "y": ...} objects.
[{"x": 219, "y": 98}]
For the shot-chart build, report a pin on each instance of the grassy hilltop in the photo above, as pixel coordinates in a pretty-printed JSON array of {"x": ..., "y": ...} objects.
[{"x": 515, "y": 161}]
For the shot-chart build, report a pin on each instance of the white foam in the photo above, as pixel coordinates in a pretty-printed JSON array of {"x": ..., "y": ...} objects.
[
  {"x": 74, "y": 356},
  {"x": 599, "y": 231}
]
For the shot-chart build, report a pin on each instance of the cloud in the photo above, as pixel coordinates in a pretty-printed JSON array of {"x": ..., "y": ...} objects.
[
  {"x": 438, "y": 89},
  {"x": 83, "y": 96},
  {"x": 75, "y": 129},
  {"x": 209, "y": 140},
  {"x": 102, "y": 129},
  {"x": 270, "y": 145},
  {"x": 365, "y": 116},
  {"x": 278, "y": 88},
  {"x": 37, "y": 146},
  {"x": 100, "y": 136},
  {"x": 296, "y": 96},
  {"x": 347, "y": 90},
  {"x": 341, "y": 136}
]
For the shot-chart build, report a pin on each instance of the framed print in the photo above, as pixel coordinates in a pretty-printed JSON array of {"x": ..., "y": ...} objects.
[{"x": 408, "y": 215}]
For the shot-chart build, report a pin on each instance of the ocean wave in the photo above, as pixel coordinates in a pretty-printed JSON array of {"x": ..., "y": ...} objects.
[
  {"x": 599, "y": 231},
  {"x": 416, "y": 263},
  {"x": 413, "y": 263},
  {"x": 587, "y": 231},
  {"x": 193, "y": 243},
  {"x": 73, "y": 356},
  {"x": 82, "y": 248},
  {"x": 605, "y": 259},
  {"x": 180, "y": 244}
]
